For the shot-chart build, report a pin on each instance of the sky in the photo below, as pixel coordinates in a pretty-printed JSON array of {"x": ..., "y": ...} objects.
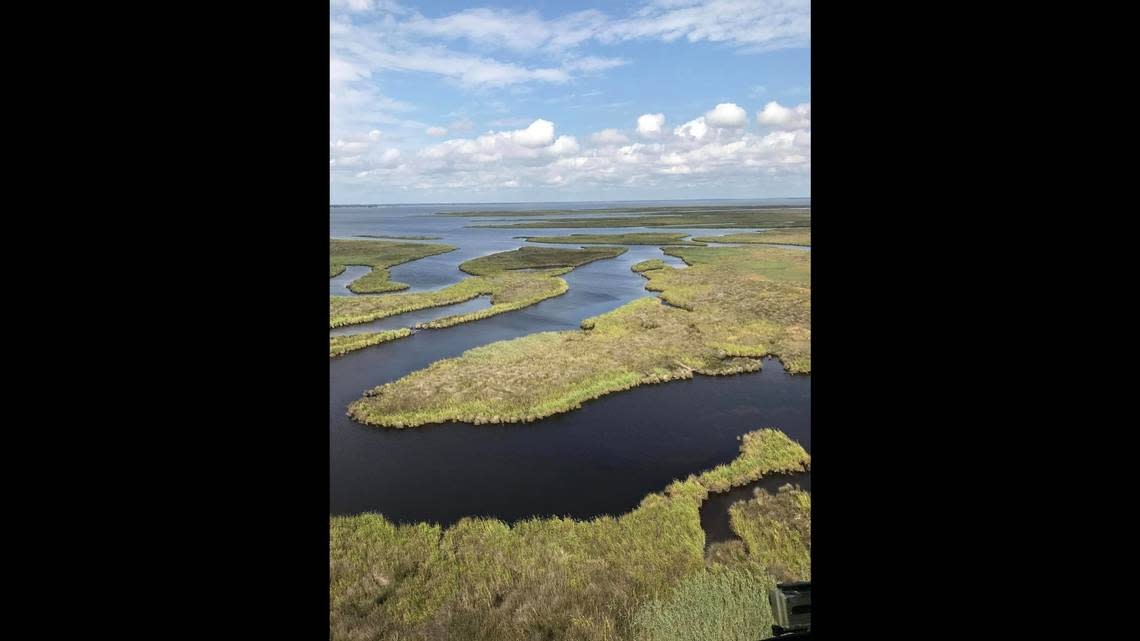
[{"x": 568, "y": 101}]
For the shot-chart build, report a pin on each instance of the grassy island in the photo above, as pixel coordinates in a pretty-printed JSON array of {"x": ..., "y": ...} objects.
[
  {"x": 643, "y": 575},
  {"x": 729, "y": 308},
  {"x": 499, "y": 276},
  {"x": 379, "y": 255},
  {"x": 790, "y": 236},
  {"x": 537, "y": 258},
  {"x": 639, "y": 238},
  {"x": 339, "y": 345}
]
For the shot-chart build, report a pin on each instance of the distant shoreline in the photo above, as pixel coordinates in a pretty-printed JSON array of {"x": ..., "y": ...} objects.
[{"x": 574, "y": 202}]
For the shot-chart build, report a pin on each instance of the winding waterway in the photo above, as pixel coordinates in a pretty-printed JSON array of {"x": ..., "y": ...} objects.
[{"x": 601, "y": 459}]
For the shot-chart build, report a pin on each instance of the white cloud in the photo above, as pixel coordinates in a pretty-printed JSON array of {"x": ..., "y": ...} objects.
[
  {"x": 694, "y": 129},
  {"x": 508, "y": 51},
  {"x": 727, "y": 115},
  {"x": 776, "y": 115},
  {"x": 609, "y": 137},
  {"x": 564, "y": 145},
  {"x": 534, "y": 158},
  {"x": 649, "y": 125},
  {"x": 539, "y": 134}
]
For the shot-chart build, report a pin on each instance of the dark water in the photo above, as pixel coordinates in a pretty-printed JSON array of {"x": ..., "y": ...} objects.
[{"x": 601, "y": 459}]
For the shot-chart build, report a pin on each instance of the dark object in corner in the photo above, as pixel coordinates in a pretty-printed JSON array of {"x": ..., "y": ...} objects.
[{"x": 791, "y": 609}]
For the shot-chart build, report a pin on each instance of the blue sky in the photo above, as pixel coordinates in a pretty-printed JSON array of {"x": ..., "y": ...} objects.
[{"x": 562, "y": 101}]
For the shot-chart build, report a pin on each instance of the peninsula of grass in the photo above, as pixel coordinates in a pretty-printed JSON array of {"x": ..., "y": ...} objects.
[
  {"x": 399, "y": 237},
  {"x": 339, "y": 345},
  {"x": 646, "y": 265},
  {"x": 641, "y": 238},
  {"x": 379, "y": 255},
  {"x": 500, "y": 276},
  {"x": 730, "y": 308},
  {"x": 791, "y": 236},
  {"x": 708, "y": 218},
  {"x": 537, "y": 258},
  {"x": 641, "y": 575}
]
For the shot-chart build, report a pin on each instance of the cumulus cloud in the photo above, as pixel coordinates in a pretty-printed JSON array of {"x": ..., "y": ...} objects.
[
  {"x": 534, "y": 157},
  {"x": 727, "y": 115},
  {"x": 436, "y": 131},
  {"x": 649, "y": 125},
  {"x": 776, "y": 115},
  {"x": 564, "y": 145},
  {"x": 539, "y": 134},
  {"x": 694, "y": 129},
  {"x": 609, "y": 137}
]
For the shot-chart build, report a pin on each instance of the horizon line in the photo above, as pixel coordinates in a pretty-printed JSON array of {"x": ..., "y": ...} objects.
[{"x": 562, "y": 202}]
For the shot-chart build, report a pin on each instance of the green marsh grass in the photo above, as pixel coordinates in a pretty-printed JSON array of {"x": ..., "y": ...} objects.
[
  {"x": 537, "y": 258},
  {"x": 399, "y": 237},
  {"x": 790, "y": 236},
  {"x": 606, "y": 579},
  {"x": 726, "y": 605},
  {"x": 339, "y": 345},
  {"x": 762, "y": 453},
  {"x": 379, "y": 255},
  {"x": 646, "y": 265},
  {"x": 731, "y": 307},
  {"x": 639, "y": 238},
  {"x": 776, "y": 531},
  {"x": 688, "y": 217}
]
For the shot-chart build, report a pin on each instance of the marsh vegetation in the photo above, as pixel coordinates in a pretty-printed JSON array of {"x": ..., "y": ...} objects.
[
  {"x": 790, "y": 236},
  {"x": 379, "y": 255},
  {"x": 730, "y": 308},
  {"x": 706, "y": 217},
  {"x": 537, "y": 258},
  {"x": 638, "y": 238},
  {"x": 398, "y": 237},
  {"x": 339, "y": 345},
  {"x": 641, "y": 575}
]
